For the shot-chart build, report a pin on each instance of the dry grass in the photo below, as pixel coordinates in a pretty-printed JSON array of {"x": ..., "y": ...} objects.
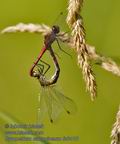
[
  {"x": 75, "y": 22},
  {"x": 31, "y": 28},
  {"x": 105, "y": 62},
  {"x": 115, "y": 134},
  {"x": 73, "y": 8}
]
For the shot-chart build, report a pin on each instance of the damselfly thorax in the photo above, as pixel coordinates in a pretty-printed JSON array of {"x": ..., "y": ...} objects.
[{"x": 51, "y": 37}]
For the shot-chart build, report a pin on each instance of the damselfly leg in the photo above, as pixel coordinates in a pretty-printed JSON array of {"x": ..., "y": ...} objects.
[
  {"x": 62, "y": 49},
  {"x": 42, "y": 67}
]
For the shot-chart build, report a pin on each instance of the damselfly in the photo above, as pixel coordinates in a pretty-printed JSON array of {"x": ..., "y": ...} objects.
[
  {"x": 50, "y": 35},
  {"x": 51, "y": 100},
  {"x": 48, "y": 41}
]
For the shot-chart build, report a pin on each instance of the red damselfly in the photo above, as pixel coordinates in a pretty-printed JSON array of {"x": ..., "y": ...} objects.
[
  {"x": 50, "y": 35},
  {"x": 48, "y": 41}
]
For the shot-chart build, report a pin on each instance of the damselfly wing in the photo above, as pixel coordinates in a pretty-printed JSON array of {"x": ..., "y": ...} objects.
[{"x": 53, "y": 102}]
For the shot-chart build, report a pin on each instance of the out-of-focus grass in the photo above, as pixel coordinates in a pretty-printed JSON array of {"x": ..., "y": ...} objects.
[{"x": 6, "y": 118}]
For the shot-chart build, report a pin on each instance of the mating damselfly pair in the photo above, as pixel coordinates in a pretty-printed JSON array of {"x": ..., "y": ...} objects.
[{"x": 52, "y": 101}]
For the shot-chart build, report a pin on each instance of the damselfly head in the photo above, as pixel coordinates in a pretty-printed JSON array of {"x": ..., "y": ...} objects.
[{"x": 56, "y": 29}]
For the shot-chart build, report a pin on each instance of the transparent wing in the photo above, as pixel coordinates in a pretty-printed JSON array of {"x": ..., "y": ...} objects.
[
  {"x": 57, "y": 108},
  {"x": 45, "y": 105},
  {"x": 42, "y": 108},
  {"x": 32, "y": 28},
  {"x": 48, "y": 100},
  {"x": 54, "y": 102},
  {"x": 48, "y": 105},
  {"x": 67, "y": 103}
]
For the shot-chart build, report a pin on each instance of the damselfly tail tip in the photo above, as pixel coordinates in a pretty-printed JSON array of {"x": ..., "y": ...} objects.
[
  {"x": 51, "y": 120},
  {"x": 68, "y": 112},
  {"x": 61, "y": 13}
]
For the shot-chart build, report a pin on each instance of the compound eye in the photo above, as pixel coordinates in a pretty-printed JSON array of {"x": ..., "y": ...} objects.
[
  {"x": 53, "y": 28},
  {"x": 56, "y": 29}
]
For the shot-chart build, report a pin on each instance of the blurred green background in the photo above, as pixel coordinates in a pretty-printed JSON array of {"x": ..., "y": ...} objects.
[{"x": 19, "y": 92}]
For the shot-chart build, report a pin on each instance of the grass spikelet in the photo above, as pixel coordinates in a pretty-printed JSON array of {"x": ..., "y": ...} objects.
[
  {"x": 115, "y": 134},
  {"x": 75, "y": 22},
  {"x": 31, "y": 28}
]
